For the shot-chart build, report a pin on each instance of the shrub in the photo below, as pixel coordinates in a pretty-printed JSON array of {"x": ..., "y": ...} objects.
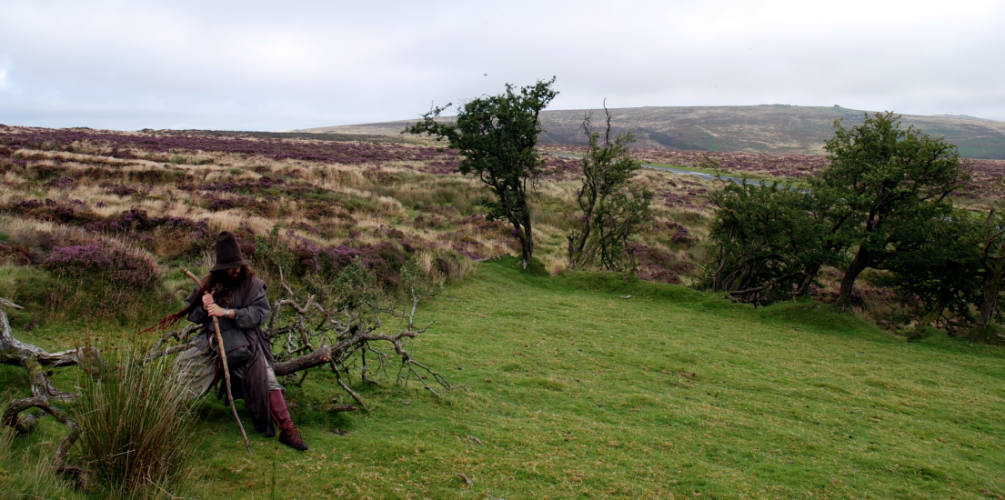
[
  {"x": 135, "y": 425},
  {"x": 771, "y": 242}
]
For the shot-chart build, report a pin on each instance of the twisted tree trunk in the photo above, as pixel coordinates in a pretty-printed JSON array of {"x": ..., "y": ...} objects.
[
  {"x": 861, "y": 261},
  {"x": 34, "y": 359}
]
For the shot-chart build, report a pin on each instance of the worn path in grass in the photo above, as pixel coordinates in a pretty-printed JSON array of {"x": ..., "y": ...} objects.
[{"x": 565, "y": 388}]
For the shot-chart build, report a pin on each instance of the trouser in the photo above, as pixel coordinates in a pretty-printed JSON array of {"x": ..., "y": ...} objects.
[{"x": 196, "y": 370}]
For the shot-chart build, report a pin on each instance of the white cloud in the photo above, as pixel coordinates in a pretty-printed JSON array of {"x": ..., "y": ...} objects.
[{"x": 258, "y": 64}]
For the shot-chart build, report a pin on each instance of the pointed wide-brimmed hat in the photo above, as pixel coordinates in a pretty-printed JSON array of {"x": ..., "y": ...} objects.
[{"x": 228, "y": 253}]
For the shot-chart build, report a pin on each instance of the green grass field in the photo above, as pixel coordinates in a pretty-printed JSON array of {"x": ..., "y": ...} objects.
[{"x": 588, "y": 385}]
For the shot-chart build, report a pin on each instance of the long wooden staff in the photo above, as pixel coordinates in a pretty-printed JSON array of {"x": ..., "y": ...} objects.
[{"x": 226, "y": 371}]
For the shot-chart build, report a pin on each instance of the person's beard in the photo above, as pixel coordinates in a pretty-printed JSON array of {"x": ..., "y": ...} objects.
[{"x": 231, "y": 282}]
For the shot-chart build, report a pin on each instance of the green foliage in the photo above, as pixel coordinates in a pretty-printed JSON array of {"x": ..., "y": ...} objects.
[
  {"x": 990, "y": 334},
  {"x": 354, "y": 288},
  {"x": 883, "y": 203},
  {"x": 770, "y": 240},
  {"x": 611, "y": 210},
  {"x": 886, "y": 185},
  {"x": 937, "y": 270},
  {"x": 497, "y": 136},
  {"x": 625, "y": 212},
  {"x": 991, "y": 251},
  {"x": 135, "y": 425}
]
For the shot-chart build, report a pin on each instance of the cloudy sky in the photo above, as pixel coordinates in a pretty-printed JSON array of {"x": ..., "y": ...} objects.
[{"x": 268, "y": 65}]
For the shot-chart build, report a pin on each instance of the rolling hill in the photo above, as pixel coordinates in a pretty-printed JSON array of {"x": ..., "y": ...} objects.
[{"x": 766, "y": 128}]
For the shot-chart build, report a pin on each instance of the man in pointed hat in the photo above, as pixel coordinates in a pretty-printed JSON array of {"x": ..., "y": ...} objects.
[{"x": 236, "y": 297}]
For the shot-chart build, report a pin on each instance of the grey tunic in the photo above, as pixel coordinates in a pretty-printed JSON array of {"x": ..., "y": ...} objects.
[
  {"x": 256, "y": 377},
  {"x": 251, "y": 314}
]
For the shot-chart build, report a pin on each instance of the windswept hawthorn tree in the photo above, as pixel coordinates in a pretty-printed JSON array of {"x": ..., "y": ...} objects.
[
  {"x": 881, "y": 202},
  {"x": 887, "y": 184},
  {"x": 497, "y": 136}
]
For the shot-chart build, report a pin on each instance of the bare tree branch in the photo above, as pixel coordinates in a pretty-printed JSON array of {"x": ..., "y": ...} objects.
[{"x": 32, "y": 358}]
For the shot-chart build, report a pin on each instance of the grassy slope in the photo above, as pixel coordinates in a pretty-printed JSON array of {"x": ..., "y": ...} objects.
[{"x": 565, "y": 388}]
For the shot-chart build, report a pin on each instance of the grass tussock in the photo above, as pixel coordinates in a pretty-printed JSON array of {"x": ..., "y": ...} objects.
[{"x": 135, "y": 426}]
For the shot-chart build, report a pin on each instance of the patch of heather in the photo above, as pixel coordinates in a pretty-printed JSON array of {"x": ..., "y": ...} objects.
[
  {"x": 118, "y": 189},
  {"x": 672, "y": 199},
  {"x": 470, "y": 248},
  {"x": 560, "y": 168},
  {"x": 165, "y": 236},
  {"x": 60, "y": 183},
  {"x": 15, "y": 253},
  {"x": 390, "y": 233},
  {"x": 379, "y": 175},
  {"x": 684, "y": 195},
  {"x": 482, "y": 224},
  {"x": 987, "y": 180},
  {"x": 94, "y": 260},
  {"x": 430, "y": 221},
  {"x": 795, "y": 166},
  {"x": 384, "y": 259},
  {"x": 9, "y": 163},
  {"x": 89, "y": 255},
  {"x": 216, "y": 203},
  {"x": 415, "y": 244},
  {"x": 654, "y": 264},
  {"x": 136, "y": 220},
  {"x": 67, "y": 212},
  {"x": 680, "y": 235}
]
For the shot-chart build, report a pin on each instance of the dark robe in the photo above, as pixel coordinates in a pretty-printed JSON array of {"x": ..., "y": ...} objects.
[{"x": 243, "y": 337}]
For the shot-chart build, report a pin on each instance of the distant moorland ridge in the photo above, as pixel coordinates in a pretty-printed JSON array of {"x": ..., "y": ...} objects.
[{"x": 767, "y": 128}]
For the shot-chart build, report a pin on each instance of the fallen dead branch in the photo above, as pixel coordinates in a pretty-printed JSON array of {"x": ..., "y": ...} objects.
[
  {"x": 345, "y": 327},
  {"x": 35, "y": 361}
]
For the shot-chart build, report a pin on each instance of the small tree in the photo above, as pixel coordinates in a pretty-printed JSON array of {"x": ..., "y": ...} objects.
[
  {"x": 497, "y": 137},
  {"x": 610, "y": 208},
  {"x": 887, "y": 184},
  {"x": 626, "y": 211}
]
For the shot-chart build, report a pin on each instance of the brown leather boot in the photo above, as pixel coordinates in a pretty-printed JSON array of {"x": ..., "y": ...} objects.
[{"x": 288, "y": 434}]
